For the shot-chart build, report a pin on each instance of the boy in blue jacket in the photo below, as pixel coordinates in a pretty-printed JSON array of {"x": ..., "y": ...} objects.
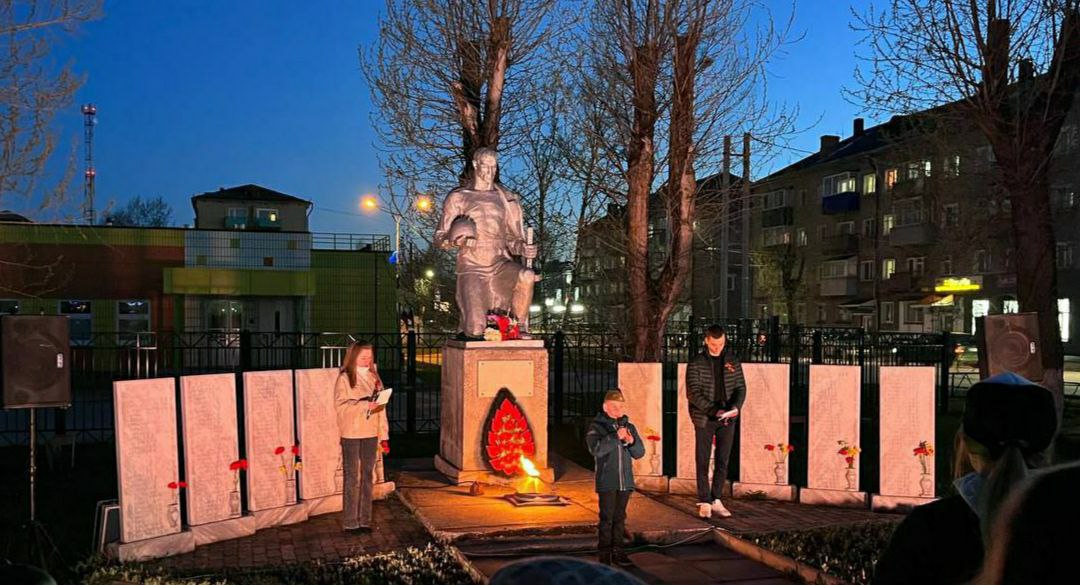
[{"x": 613, "y": 441}]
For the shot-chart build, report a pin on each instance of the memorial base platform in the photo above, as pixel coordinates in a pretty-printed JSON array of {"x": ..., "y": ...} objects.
[
  {"x": 880, "y": 503},
  {"x": 224, "y": 530},
  {"x": 844, "y": 498},
  {"x": 769, "y": 491},
  {"x": 152, "y": 548},
  {"x": 282, "y": 516}
]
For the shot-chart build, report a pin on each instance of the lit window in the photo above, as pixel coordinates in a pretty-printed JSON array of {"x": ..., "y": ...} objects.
[
  {"x": 9, "y": 307},
  {"x": 888, "y": 268},
  {"x": 979, "y": 308},
  {"x": 270, "y": 215},
  {"x": 891, "y": 177},
  {"x": 1010, "y": 306},
  {"x": 952, "y": 166},
  {"x": 1063, "y": 318},
  {"x": 802, "y": 237},
  {"x": 839, "y": 183},
  {"x": 887, "y": 224},
  {"x": 869, "y": 184}
]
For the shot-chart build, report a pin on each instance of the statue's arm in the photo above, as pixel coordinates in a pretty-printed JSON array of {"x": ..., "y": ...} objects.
[
  {"x": 515, "y": 229},
  {"x": 451, "y": 210}
]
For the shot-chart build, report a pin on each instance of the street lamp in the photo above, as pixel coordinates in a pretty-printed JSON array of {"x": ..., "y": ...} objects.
[{"x": 371, "y": 203}]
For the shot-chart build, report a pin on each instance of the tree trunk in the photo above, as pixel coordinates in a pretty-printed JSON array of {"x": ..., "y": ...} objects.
[
  {"x": 640, "y": 171},
  {"x": 1036, "y": 274}
]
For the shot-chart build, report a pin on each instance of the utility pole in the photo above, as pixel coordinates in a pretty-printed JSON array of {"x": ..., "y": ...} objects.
[
  {"x": 745, "y": 294},
  {"x": 725, "y": 217}
]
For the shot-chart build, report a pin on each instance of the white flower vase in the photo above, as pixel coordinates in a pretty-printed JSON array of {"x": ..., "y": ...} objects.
[
  {"x": 654, "y": 460},
  {"x": 779, "y": 471},
  {"x": 926, "y": 486},
  {"x": 290, "y": 490},
  {"x": 174, "y": 514},
  {"x": 852, "y": 477},
  {"x": 234, "y": 503}
]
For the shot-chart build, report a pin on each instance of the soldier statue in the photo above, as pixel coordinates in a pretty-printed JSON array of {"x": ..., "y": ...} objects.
[{"x": 484, "y": 221}]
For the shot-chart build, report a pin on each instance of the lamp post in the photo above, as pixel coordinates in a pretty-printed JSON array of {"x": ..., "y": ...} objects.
[{"x": 372, "y": 204}]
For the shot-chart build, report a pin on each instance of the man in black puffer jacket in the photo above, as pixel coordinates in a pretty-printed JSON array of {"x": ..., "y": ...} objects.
[{"x": 715, "y": 391}]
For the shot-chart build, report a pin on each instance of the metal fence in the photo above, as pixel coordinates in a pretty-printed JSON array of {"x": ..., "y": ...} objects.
[{"x": 583, "y": 365}]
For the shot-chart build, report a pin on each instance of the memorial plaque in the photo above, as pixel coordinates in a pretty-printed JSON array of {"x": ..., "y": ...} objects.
[
  {"x": 907, "y": 424},
  {"x": 147, "y": 458},
  {"x": 685, "y": 469},
  {"x": 641, "y": 385},
  {"x": 764, "y": 422},
  {"x": 833, "y": 417},
  {"x": 494, "y": 375},
  {"x": 269, "y": 439},
  {"x": 208, "y": 415},
  {"x": 317, "y": 429}
]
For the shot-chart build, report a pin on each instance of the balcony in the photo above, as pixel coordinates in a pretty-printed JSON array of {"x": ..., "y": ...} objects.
[
  {"x": 903, "y": 282},
  {"x": 268, "y": 223},
  {"x": 915, "y": 234},
  {"x": 840, "y": 203},
  {"x": 909, "y": 187},
  {"x": 780, "y": 216},
  {"x": 235, "y": 223},
  {"x": 845, "y": 286},
  {"x": 840, "y": 245}
]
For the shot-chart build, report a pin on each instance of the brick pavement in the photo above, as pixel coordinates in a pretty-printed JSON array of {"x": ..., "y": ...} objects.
[
  {"x": 320, "y": 538},
  {"x": 756, "y": 516}
]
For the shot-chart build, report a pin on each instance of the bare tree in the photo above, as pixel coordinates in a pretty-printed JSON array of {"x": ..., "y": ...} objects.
[
  {"x": 780, "y": 271},
  {"x": 32, "y": 91},
  {"x": 448, "y": 77},
  {"x": 925, "y": 53},
  {"x": 672, "y": 77}
]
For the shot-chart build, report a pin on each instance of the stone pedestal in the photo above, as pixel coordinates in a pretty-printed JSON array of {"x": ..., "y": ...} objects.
[
  {"x": 879, "y": 503},
  {"x": 224, "y": 530},
  {"x": 327, "y": 505},
  {"x": 826, "y": 497},
  {"x": 642, "y": 386},
  {"x": 473, "y": 372},
  {"x": 152, "y": 548},
  {"x": 282, "y": 516},
  {"x": 772, "y": 491}
]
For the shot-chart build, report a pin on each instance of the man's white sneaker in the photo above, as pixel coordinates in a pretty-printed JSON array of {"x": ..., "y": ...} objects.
[
  {"x": 704, "y": 510},
  {"x": 719, "y": 509}
]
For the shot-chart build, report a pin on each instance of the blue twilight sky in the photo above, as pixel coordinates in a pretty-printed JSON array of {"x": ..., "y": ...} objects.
[{"x": 196, "y": 95}]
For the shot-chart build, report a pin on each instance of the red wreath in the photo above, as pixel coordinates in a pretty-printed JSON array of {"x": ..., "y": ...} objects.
[{"x": 508, "y": 435}]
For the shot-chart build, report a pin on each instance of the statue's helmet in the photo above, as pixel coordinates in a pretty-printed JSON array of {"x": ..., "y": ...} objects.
[{"x": 462, "y": 227}]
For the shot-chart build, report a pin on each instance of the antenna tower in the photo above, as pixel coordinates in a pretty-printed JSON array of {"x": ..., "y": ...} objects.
[{"x": 89, "y": 120}]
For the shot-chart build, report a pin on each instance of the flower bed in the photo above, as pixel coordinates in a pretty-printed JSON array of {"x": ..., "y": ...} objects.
[
  {"x": 431, "y": 565},
  {"x": 848, "y": 552}
]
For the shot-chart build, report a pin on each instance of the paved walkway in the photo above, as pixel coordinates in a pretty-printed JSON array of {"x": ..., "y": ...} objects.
[
  {"x": 758, "y": 516},
  {"x": 320, "y": 538},
  {"x": 682, "y": 565}
]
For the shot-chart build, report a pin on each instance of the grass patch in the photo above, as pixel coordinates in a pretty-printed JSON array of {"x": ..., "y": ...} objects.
[
  {"x": 432, "y": 565},
  {"x": 848, "y": 552}
]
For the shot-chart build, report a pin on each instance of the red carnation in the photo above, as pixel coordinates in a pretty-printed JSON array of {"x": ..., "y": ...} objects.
[
  {"x": 850, "y": 460},
  {"x": 296, "y": 450},
  {"x": 182, "y": 484},
  {"x": 238, "y": 464},
  {"x": 790, "y": 448},
  {"x": 770, "y": 447},
  {"x": 279, "y": 450},
  {"x": 173, "y": 485}
]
